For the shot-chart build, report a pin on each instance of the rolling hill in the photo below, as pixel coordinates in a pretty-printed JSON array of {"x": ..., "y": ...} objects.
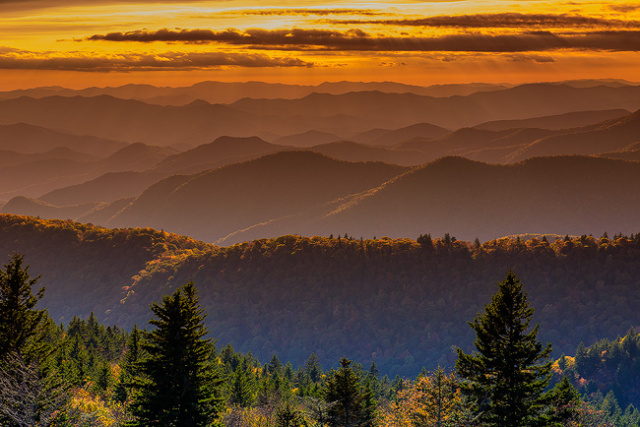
[
  {"x": 308, "y": 193},
  {"x": 213, "y": 204},
  {"x": 401, "y": 303},
  {"x": 557, "y": 122},
  {"x": 308, "y": 139},
  {"x": 472, "y": 199},
  {"x": 354, "y": 152},
  {"x": 223, "y": 151},
  {"x": 611, "y": 135},
  {"x": 33, "y": 207},
  {"x": 105, "y": 188},
  {"x": 419, "y": 130},
  {"x": 29, "y": 139}
]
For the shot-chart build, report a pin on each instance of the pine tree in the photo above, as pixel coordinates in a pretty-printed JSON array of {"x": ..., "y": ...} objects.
[
  {"x": 507, "y": 375},
  {"x": 275, "y": 366},
  {"x": 289, "y": 416},
  {"x": 129, "y": 366},
  {"x": 243, "y": 385},
  {"x": 179, "y": 385},
  {"x": 30, "y": 392},
  {"x": 313, "y": 368},
  {"x": 19, "y": 320},
  {"x": 345, "y": 397},
  {"x": 369, "y": 407},
  {"x": 565, "y": 401}
]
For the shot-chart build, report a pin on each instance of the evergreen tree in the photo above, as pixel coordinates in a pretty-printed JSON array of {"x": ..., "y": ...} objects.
[
  {"x": 30, "y": 393},
  {"x": 345, "y": 397},
  {"x": 243, "y": 386},
  {"x": 507, "y": 375},
  {"x": 565, "y": 401},
  {"x": 104, "y": 379},
  {"x": 129, "y": 366},
  {"x": 289, "y": 416},
  {"x": 275, "y": 365},
  {"x": 19, "y": 320},
  {"x": 369, "y": 410},
  {"x": 313, "y": 368},
  {"x": 179, "y": 384}
]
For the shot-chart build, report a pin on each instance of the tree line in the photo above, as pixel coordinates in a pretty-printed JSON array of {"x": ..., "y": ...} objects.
[
  {"x": 401, "y": 302},
  {"x": 174, "y": 375}
]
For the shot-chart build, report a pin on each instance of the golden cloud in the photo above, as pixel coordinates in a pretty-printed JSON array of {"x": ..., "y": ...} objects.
[
  {"x": 358, "y": 40},
  {"x": 12, "y": 59}
]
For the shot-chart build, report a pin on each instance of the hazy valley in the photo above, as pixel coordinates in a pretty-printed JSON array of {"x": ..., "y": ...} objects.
[{"x": 254, "y": 168}]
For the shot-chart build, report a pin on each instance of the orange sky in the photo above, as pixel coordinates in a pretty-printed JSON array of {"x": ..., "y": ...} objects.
[{"x": 176, "y": 43}]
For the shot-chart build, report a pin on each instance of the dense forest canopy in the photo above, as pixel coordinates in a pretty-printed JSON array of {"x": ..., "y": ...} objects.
[
  {"x": 89, "y": 374},
  {"x": 401, "y": 302}
]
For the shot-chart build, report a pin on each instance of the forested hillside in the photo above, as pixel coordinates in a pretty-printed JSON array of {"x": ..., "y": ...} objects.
[{"x": 402, "y": 303}]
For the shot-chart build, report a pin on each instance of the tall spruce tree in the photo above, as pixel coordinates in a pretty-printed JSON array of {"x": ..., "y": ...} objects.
[
  {"x": 19, "y": 320},
  {"x": 129, "y": 366},
  {"x": 179, "y": 385},
  {"x": 507, "y": 375},
  {"x": 30, "y": 392},
  {"x": 346, "y": 399}
]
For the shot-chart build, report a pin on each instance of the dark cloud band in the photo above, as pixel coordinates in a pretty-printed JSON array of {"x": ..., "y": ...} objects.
[
  {"x": 503, "y": 20},
  {"x": 358, "y": 40}
]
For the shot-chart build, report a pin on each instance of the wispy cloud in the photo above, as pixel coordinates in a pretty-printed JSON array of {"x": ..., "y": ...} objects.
[
  {"x": 12, "y": 59},
  {"x": 502, "y": 20},
  {"x": 540, "y": 59},
  {"x": 624, "y": 8},
  {"x": 358, "y": 40},
  {"x": 13, "y": 5},
  {"x": 312, "y": 11}
]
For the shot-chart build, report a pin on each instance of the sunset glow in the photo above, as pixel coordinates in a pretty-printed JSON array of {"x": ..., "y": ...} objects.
[{"x": 308, "y": 42}]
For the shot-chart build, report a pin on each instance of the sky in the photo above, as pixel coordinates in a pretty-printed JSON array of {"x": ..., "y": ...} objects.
[{"x": 82, "y": 43}]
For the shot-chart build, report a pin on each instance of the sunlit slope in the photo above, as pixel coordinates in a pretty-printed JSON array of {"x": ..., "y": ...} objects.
[
  {"x": 556, "y": 122},
  {"x": 574, "y": 195},
  {"x": 212, "y": 204},
  {"x": 611, "y": 135},
  {"x": 84, "y": 267}
]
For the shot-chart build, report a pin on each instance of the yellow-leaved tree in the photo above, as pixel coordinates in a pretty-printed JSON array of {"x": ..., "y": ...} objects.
[{"x": 434, "y": 400}]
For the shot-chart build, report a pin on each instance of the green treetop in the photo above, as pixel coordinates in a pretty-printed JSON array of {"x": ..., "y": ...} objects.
[
  {"x": 507, "y": 375},
  {"x": 19, "y": 320},
  {"x": 179, "y": 385}
]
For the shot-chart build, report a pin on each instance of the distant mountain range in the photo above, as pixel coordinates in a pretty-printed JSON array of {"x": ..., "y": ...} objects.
[
  {"x": 34, "y": 174},
  {"x": 27, "y": 138},
  {"x": 222, "y": 92},
  {"x": 556, "y": 122},
  {"x": 343, "y": 115},
  {"x": 229, "y": 172},
  {"x": 234, "y": 189},
  {"x": 310, "y": 194}
]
